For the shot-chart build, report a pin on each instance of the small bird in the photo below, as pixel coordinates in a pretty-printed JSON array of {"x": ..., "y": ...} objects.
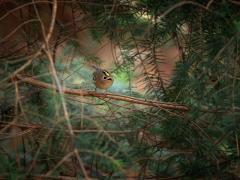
[{"x": 102, "y": 78}]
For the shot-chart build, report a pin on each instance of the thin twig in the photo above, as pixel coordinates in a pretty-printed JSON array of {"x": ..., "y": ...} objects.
[
  {"x": 58, "y": 84},
  {"x": 16, "y": 29},
  {"x": 209, "y": 4},
  {"x": 65, "y": 158},
  {"x": 81, "y": 165}
]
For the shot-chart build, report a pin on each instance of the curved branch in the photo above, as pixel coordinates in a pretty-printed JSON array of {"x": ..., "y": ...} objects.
[
  {"x": 16, "y": 29},
  {"x": 79, "y": 92},
  {"x": 22, "y": 6},
  {"x": 182, "y": 3}
]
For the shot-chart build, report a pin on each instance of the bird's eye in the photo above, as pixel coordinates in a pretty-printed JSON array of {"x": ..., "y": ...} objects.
[{"x": 104, "y": 77}]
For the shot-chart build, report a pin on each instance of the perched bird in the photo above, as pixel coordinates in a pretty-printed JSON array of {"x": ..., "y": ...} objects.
[{"x": 102, "y": 78}]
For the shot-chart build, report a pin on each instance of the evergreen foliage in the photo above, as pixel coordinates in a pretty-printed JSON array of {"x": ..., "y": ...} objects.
[{"x": 116, "y": 139}]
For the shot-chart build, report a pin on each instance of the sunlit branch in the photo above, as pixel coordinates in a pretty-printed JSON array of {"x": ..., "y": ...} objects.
[{"x": 79, "y": 92}]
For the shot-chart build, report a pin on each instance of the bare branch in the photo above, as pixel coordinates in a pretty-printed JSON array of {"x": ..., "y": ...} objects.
[{"x": 78, "y": 92}]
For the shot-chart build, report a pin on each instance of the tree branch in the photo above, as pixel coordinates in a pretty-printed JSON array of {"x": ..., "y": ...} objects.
[
  {"x": 79, "y": 92},
  {"x": 134, "y": 100}
]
